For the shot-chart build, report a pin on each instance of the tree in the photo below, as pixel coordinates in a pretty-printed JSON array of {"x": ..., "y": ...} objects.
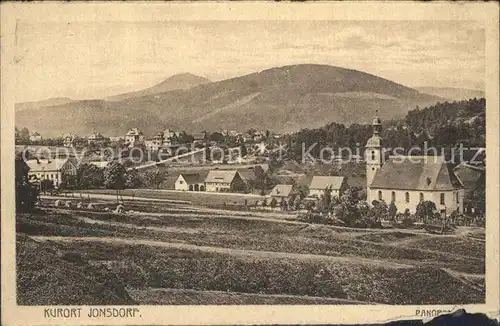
[
  {"x": 24, "y": 134},
  {"x": 46, "y": 185},
  {"x": 264, "y": 202},
  {"x": 26, "y": 192},
  {"x": 300, "y": 190},
  {"x": 273, "y": 203},
  {"x": 133, "y": 179},
  {"x": 325, "y": 200},
  {"x": 154, "y": 178},
  {"x": 380, "y": 210},
  {"x": 243, "y": 149},
  {"x": 425, "y": 209},
  {"x": 392, "y": 210},
  {"x": 216, "y": 137},
  {"x": 114, "y": 177},
  {"x": 296, "y": 202},
  {"x": 284, "y": 204},
  {"x": 89, "y": 176}
]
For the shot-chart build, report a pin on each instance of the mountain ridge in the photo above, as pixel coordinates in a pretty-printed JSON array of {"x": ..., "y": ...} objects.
[{"x": 283, "y": 99}]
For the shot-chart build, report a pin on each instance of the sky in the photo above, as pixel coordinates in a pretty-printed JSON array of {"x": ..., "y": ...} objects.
[{"x": 94, "y": 60}]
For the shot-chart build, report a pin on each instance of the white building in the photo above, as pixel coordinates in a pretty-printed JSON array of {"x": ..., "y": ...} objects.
[
  {"x": 35, "y": 137},
  {"x": 319, "y": 184},
  {"x": 54, "y": 169},
  {"x": 281, "y": 191},
  {"x": 134, "y": 136},
  {"x": 224, "y": 181},
  {"x": 408, "y": 180},
  {"x": 190, "y": 182}
]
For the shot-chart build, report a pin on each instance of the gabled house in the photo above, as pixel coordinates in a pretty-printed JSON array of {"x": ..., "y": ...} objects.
[
  {"x": 134, "y": 136},
  {"x": 281, "y": 191},
  {"x": 190, "y": 182},
  {"x": 319, "y": 184},
  {"x": 199, "y": 137},
  {"x": 224, "y": 181},
  {"x": 95, "y": 138},
  {"x": 35, "y": 137},
  {"x": 54, "y": 170}
]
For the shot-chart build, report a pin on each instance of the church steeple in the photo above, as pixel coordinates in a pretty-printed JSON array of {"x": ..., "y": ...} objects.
[
  {"x": 373, "y": 151},
  {"x": 377, "y": 124}
]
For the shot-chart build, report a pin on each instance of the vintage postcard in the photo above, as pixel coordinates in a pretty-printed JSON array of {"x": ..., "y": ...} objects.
[{"x": 225, "y": 163}]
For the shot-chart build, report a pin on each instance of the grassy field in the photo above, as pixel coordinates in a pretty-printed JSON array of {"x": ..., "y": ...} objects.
[
  {"x": 187, "y": 255},
  {"x": 196, "y": 198}
]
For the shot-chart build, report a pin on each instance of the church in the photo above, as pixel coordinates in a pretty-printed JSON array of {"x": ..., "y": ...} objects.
[{"x": 409, "y": 180}]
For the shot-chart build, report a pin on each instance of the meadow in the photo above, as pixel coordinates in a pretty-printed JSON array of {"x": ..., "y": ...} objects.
[{"x": 187, "y": 254}]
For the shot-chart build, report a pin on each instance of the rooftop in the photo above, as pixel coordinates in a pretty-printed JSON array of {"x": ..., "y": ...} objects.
[
  {"x": 323, "y": 182},
  {"x": 416, "y": 173}
]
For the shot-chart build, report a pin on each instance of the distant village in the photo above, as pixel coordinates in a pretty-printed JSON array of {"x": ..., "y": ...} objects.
[{"x": 403, "y": 184}]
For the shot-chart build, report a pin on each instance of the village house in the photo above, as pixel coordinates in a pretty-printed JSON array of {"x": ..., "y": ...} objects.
[
  {"x": 54, "y": 170},
  {"x": 319, "y": 184},
  {"x": 224, "y": 181},
  {"x": 281, "y": 191},
  {"x": 95, "y": 138},
  {"x": 133, "y": 137},
  {"x": 69, "y": 140},
  {"x": 170, "y": 136},
  {"x": 199, "y": 137},
  {"x": 409, "y": 180},
  {"x": 190, "y": 182},
  {"x": 157, "y": 142},
  {"x": 35, "y": 137}
]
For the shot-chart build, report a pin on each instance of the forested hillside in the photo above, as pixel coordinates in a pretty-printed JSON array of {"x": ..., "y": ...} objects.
[{"x": 441, "y": 125}]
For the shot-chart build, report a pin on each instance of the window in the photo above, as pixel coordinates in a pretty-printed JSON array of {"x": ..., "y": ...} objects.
[
  {"x": 407, "y": 197},
  {"x": 458, "y": 198},
  {"x": 442, "y": 199},
  {"x": 373, "y": 155},
  {"x": 421, "y": 197},
  {"x": 393, "y": 196},
  {"x": 379, "y": 195},
  {"x": 373, "y": 169}
]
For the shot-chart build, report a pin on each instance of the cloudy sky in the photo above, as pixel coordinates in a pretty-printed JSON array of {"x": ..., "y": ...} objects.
[{"x": 93, "y": 60}]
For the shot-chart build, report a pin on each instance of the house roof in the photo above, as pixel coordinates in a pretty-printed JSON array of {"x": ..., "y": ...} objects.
[
  {"x": 133, "y": 132},
  {"x": 416, "y": 173},
  {"x": 198, "y": 135},
  {"x": 191, "y": 178},
  {"x": 46, "y": 165},
  {"x": 281, "y": 190},
  {"x": 470, "y": 175},
  {"x": 223, "y": 176},
  {"x": 322, "y": 182}
]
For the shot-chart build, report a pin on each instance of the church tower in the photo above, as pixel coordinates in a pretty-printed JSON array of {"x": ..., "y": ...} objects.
[{"x": 373, "y": 151}]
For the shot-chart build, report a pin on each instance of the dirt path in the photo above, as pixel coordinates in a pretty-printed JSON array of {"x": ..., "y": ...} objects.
[
  {"x": 227, "y": 251},
  {"x": 223, "y": 297},
  {"x": 463, "y": 277},
  {"x": 138, "y": 227}
]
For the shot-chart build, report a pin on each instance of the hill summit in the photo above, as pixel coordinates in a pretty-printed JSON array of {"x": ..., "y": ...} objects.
[{"x": 179, "y": 81}]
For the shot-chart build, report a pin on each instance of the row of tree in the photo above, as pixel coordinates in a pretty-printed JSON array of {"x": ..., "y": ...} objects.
[{"x": 114, "y": 176}]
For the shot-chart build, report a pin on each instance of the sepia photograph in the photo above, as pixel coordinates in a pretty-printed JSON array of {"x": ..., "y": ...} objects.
[{"x": 236, "y": 162}]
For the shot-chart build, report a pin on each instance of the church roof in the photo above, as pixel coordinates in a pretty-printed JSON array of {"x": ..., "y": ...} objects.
[{"x": 416, "y": 173}]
